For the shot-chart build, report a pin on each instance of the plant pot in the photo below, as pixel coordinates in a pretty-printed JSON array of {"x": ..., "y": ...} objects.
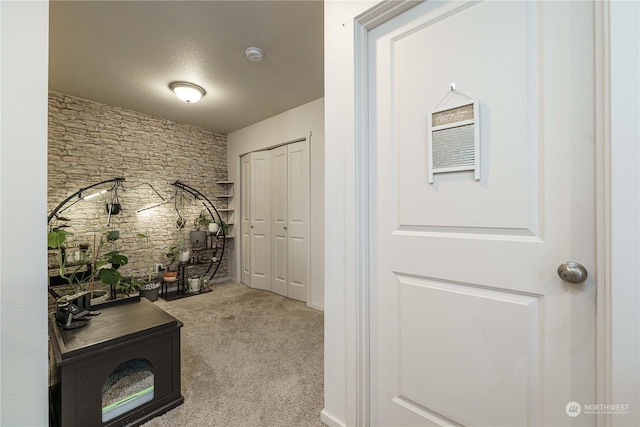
[
  {"x": 214, "y": 227},
  {"x": 170, "y": 276},
  {"x": 150, "y": 291},
  {"x": 113, "y": 235},
  {"x": 198, "y": 239},
  {"x": 98, "y": 296},
  {"x": 179, "y": 222},
  {"x": 115, "y": 208},
  {"x": 194, "y": 284},
  {"x": 150, "y": 294},
  {"x": 184, "y": 256}
]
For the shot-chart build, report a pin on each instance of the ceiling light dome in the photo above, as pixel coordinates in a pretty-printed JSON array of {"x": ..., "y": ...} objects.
[{"x": 187, "y": 92}]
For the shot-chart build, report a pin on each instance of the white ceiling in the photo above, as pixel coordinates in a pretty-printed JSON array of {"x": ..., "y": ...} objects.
[{"x": 125, "y": 53}]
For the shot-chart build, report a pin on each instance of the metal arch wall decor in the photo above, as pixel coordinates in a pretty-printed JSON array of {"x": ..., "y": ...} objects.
[{"x": 117, "y": 183}]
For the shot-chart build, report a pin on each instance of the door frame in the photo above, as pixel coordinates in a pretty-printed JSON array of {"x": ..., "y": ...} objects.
[{"x": 383, "y": 12}]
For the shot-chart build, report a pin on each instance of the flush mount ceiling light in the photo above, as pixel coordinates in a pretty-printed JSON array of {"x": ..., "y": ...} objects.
[
  {"x": 254, "y": 54},
  {"x": 187, "y": 92}
]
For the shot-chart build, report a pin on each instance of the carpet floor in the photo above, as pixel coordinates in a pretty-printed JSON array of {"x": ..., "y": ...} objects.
[{"x": 249, "y": 359}]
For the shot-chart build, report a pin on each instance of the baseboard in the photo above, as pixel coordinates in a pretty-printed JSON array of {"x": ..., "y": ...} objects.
[
  {"x": 174, "y": 286},
  {"x": 330, "y": 420},
  {"x": 316, "y": 307}
]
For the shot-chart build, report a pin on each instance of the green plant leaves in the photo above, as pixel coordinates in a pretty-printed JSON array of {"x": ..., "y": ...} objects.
[
  {"x": 114, "y": 257},
  {"x": 109, "y": 276},
  {"x": 56, "y": 238}
]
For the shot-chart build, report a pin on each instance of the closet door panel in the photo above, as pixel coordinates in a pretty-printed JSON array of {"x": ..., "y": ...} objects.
[
  {"x": 298, "y": 209},
  {"x": 279, "y": 196},
  {"x": 260, "y": 223}
]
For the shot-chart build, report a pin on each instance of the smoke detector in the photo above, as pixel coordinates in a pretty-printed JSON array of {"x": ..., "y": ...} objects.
[{"x": 254, "y": 54}]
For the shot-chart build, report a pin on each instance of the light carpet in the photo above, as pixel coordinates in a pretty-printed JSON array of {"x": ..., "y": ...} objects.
[{"x": 250, "y": 358}]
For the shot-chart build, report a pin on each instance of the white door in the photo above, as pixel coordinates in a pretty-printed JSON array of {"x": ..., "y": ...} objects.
[
  {"x": 245, "y": 215},
  {"x": 279, "y": 191},
  {"x": 259, "y": 218},
  {"x": 470, "y": 322},
  {"x": 298, "y": 213}
]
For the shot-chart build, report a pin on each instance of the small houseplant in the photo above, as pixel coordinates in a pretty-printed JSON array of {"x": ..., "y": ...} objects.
[
  {"x": 202, "y": 221},
  {"x": 126, "y": 287},
  {"x": 223, "y": 226},
  {"x": 172, "y": 256},
  {"x": 56, "y": 240},
  {"x": 106, "y": 265}
]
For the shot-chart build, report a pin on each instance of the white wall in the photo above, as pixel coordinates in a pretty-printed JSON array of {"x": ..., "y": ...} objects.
[
  {"x": 625, "y": 208},
  {"x": 24, "y": 37},
  {"x": 289, "y": 126},
  {"x": 340, "y": 279},
  {"x": 340, "y": 240}
]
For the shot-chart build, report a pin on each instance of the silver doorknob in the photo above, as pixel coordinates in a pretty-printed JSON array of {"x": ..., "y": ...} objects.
[{"x": 572, "y": 272}]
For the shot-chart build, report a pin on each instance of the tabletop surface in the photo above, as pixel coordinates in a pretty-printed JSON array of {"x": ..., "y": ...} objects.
[{"x": 115, "y": 324}]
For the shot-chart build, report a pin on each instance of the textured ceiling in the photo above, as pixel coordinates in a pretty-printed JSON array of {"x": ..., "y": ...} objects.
[{"x": 125, "y": 53}]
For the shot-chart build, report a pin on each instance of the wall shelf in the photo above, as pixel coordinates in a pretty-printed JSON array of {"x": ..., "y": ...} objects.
[{"x": 227, "y": 212}]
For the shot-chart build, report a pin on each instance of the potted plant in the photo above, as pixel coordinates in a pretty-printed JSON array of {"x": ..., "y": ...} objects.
[
  {"x": 170, "y": 275},
  {"x": 72, "y": 271},
  {"x": 194, "y": 284},
  {"x": 113, "y": 235},
  {"x": 107, "y": 266},
  {"x": 202, "y": 221},
  {"x": 182, "y": 250},
  {"x": 172, "y": 256},
  {"x": 223, "y": 226},
  {"x": 127, "y": 287},
  {"x": 150, "y": 288}
]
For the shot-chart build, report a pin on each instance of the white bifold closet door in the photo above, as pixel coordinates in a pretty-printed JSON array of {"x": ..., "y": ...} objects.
[
  {"x": 256, "y": 209},
  {"x": 278, "y": 192},
  {"x": 290, "y": 211}
]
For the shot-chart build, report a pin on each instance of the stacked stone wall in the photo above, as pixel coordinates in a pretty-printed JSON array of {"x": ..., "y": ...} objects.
[{"x": 91, "y": 142}]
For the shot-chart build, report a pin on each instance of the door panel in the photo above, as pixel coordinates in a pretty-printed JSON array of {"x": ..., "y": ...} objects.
[
  {"x": 260, "y": 224},
  {"x": 470, "y": 322},
  {"x": 245, "y": 209},
  {"x": 279, "y": 191},
  {"x": 492, "y": 337},
  {"x": 298, "y": 210}
]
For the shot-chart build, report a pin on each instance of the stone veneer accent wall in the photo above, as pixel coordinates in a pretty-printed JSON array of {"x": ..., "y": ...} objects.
[{"x": 90, "y": 142}]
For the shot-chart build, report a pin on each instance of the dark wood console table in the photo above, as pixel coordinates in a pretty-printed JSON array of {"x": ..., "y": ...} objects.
[{"x": 83, "y": 358}]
